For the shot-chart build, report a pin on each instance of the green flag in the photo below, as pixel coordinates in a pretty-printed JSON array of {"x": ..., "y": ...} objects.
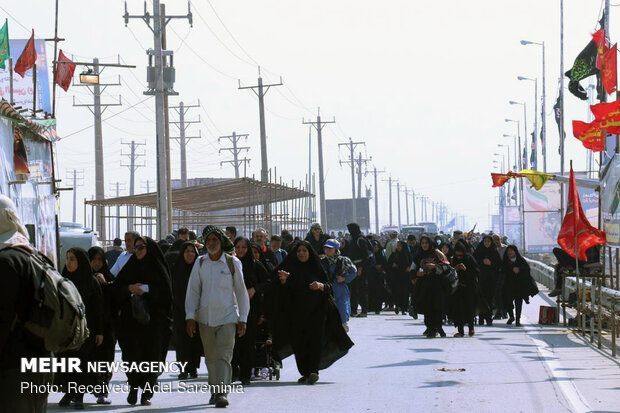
[{"x": 4, "y": 44}]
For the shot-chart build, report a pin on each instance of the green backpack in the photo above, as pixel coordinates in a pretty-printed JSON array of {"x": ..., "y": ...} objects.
[{"x": 59, "y": 315}]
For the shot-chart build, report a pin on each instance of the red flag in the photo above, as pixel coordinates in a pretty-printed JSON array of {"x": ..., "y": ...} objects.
[
  {"x": 64, "y": 72},
  {"x": 576, "y": 234},
  {"x": 590, "y": 135},
  {"x": 500, "y": 179},
  {"x": 608, "y": 116},
  {"x": 601, "y": 46},
  {"x": 609, "y": 72},
  {"x": 27, "y": 58}
]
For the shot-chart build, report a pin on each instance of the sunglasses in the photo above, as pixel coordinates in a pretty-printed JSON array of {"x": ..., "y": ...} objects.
[{"x": 140, "y": 247}]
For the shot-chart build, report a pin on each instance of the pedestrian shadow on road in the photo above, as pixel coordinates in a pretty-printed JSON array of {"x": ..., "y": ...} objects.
[
  {"x": 284, "y": 384},
  {"x": 408, "y": 363},
  {"x": 441, "y": 383}
]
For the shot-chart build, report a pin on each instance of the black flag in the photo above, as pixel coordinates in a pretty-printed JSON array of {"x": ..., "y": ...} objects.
[
  {"x": 557, "y": 112},
  {"x": 584, "y": 66}
]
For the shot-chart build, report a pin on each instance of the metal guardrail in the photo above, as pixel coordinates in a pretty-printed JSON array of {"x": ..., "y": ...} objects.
[{"x": 602, "y": 297}]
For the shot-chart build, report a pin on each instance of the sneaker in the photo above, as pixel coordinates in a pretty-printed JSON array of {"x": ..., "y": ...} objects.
[
  {"x": 221, "y": 401},
  {"x": 212, "y": 398},
  {"x": 302, "y": 380},
  {"x": 510, "y": 320},
  {"x": 145, "y": 398},
  {"x": 457, "y": 334},
  {"x": 312, "y": 378},
  {"x": 103, "y": 400}
]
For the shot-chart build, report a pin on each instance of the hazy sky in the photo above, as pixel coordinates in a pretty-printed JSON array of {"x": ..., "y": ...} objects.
[{"x": 425, "y": 84}]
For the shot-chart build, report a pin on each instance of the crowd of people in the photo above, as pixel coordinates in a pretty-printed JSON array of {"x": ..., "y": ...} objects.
[{"x": 217, "y": 295}]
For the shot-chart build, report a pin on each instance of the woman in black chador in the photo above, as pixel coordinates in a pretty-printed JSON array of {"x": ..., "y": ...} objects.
[
  {"x": 189, "y": 349},
  {"x": 399, "y": 265},
  {"x": 464, "y": 301},
  {"x": 307, "y": 322},
  {"x": 519, "y": 285},
  {"x": 77, "y": 270},
  {"x": 256, "y": 282},
  {"x": 144, "y": 279},
  {"x": 430, "y": 265},
  {"x": 377, "y": 293},
  {"x": 104, "y": 352},
  {"x": 489, "y": 262}
]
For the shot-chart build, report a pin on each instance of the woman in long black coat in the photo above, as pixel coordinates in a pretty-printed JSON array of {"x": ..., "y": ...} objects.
[
  {"x": 399, "y": 265},
  {"x": 77, "y": 270},
  {"x": 377, "y": 293},
  {"x": 519, "y": 285},
  {"x": 464, "y": 302},
  {"x": 146, "y": 276},
  {"x": 429, "y": 296},
  {"x": 256, "y": 282},
  {"x": 489, "y": 262},
  {"x": 104, "y": 352},
  {"x": 307, "y": 322},
  {"x": 188, "y": 349}
]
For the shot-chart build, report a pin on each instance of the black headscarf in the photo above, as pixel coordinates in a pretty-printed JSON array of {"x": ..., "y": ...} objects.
[
  {"x": 105, "y": 269},
  {"x": 421, "y": 254},
  {"x": 490, "y": 252},
  {"x": 354, "y": 230},
  {"x": 520, "y": 260},
  {"x": 82, "y": 278},
  {"x": 248, "y": 260},
  {"x": 292, "y": 264},
  {"x": 450, "y": 249},
  {"x": 181, "y": 272}
]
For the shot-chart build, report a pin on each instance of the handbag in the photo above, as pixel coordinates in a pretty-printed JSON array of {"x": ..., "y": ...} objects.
[
  {"x": 140, "y": 310},
  {"x": 449, "y": 281}
]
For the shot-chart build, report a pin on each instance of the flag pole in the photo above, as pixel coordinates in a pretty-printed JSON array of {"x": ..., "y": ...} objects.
[
  {"x": 34, "y": 90},
  {"x": 11, "y": 81}
]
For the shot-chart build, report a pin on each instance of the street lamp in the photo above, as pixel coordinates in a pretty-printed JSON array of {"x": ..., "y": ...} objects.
[
  {"x": 544, "y": 99},
  {"x": 520, "y": 180},
  {"x": 535, "y": 111},
  {"x": 514, "y": 139}
]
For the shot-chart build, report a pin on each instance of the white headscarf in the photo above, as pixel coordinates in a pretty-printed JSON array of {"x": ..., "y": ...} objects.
[{"x": 12, "y": 232}]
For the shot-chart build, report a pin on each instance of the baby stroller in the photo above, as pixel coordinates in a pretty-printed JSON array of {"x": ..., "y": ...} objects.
[{"x": 264, "y": 358}]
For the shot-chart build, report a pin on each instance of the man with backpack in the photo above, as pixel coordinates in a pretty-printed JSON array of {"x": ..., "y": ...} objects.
[
  {"x": 16, "y": 301},
  {"x": 217, "y": 306},
  {"x": 360, "y": 252}
]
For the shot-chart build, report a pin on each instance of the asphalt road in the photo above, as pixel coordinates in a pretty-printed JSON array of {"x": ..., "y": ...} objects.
[{"x": 392, "y": 367}]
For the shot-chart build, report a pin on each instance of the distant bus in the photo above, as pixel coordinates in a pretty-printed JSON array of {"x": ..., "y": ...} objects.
[
  {"x": 416, "y": 230},
  {"x": 429, "y": 227}
]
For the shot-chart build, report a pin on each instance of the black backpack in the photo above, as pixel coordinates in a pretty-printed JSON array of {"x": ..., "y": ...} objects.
[{"x": 58, "y": 316}]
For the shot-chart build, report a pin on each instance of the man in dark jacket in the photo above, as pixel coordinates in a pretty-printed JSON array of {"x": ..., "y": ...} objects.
[
  {"x": 316, "y": 238},
  {"x": 360, "y": 252},
  {"x": 16, "y": 301}
]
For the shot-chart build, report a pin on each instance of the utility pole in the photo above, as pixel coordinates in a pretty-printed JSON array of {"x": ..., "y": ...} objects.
[
  {"x": 260, "y": 90},
  {"x": 118, "y": 187},
  {"x": 398, "y": 202},
  {"x": 235, "y": 150},
  {"x": 407, "y": 204},
  {"x": 160, "y": 87},
  {"x": 97, "y": 109},
  {"x": 319, "y": 125},
  {"x": 415, "y": 219},
  {"x": 375, "y": 173},
  {"x": 77, "y": 176},
  {"x": 133, "y": 156},
  {"x": 360, "y": 161},
  {"x": 352, "y": 145},
  {"x": 182, "y": 125},
  {"x": 390, "y": 182}
]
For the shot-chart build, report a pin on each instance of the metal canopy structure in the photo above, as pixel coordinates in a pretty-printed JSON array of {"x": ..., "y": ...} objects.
[
  {"x": 238, "y": 202},
  {"x": 216, "y": 196}
]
